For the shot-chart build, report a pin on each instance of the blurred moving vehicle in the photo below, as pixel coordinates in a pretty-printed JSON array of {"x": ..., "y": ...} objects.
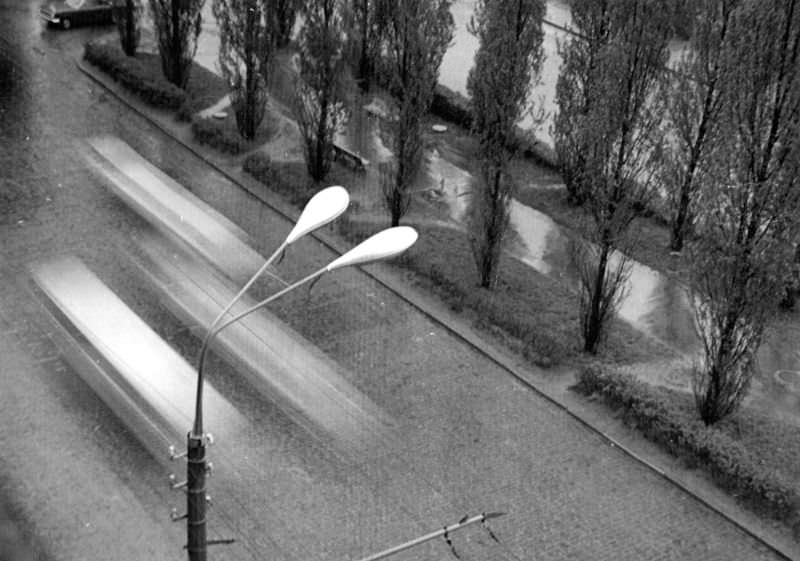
[{"x": 68, "y": 13}]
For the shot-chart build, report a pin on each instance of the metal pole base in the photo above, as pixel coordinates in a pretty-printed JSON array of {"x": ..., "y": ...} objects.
[{"x": 196, "y": 497}]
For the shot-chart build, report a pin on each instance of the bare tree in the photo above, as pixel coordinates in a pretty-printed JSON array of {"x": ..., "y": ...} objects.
[
  {"x": 599, "y": 297},
  {"x": 751, "y": 198},
  {"x": 128, "y": 16},
  {"x": 620, "y": 135},
  {"x": 507, "y": 64},
  {"x": 694, "y": 101},
  {"x": 177, "y": 25},
  {"x": 417, "y": 37},
  {"x": 320, "y": 87},
  {"x": 247, "y": 33}
]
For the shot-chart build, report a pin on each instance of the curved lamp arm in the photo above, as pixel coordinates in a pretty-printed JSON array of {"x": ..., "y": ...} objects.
[
  {"x": 321, "y": 209},
  {"x": 383, "y": 245},
  {"x": 324, "y": 207}
]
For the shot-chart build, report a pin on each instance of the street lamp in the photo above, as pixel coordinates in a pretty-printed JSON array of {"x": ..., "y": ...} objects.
[{"x": 324, "y": 207}]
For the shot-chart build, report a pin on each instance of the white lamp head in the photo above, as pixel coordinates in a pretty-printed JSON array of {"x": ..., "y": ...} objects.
[
  {"x": 383, "y": 245},
  {"x": 324, "y": 206}
]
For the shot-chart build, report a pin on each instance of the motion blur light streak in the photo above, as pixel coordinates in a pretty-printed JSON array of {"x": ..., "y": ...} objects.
[
  {"x": 154, "y": 377},
  {"x": 278, "y": 361},
  {"x": 283, "y": 365},
  {"x": 171, "y": 208}
]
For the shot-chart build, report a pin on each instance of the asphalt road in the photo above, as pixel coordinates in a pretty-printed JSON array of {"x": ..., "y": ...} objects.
[{"x": 469, "y": 438}]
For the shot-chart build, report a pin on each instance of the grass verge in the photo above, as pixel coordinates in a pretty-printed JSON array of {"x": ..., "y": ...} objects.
[{"x": 533, "y": 314}]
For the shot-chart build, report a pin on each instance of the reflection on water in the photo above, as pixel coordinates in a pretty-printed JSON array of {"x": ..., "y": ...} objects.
[
  {"x": 654, "y": 303},
  {"x": 450, "y": 182},
  {"x": 544, "y": 246}
]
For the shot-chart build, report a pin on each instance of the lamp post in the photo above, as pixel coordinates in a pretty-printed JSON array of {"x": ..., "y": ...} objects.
[{"x": 324, "y": 207}]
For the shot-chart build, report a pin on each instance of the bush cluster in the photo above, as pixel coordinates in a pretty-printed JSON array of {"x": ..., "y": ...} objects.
[
  {"x": 451, "y": 106},
  {"x": 667, "y": 418},
  {"x": 219, "y": 134},
  {"x": 526, "y": 144},
  {"x": 136, "y": 74}
]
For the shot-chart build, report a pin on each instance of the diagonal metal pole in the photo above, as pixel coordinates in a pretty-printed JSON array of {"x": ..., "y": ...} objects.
[
  {"x": 196, "y": 497},
  {"x": 442, "y": 532}
]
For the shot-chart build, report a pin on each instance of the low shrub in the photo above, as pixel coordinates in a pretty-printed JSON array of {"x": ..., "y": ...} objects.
[
  {"x": 668, "y": 418},
  {"x": 140, "y": 74},
  {"x": 219, "y": 134}
]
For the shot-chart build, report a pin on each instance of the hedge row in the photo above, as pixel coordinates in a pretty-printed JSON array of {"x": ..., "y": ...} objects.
[
  {"x": 451, "y": 106},
  {"x": 667, "y": 418},
  {"x": 135, "y": 73}
]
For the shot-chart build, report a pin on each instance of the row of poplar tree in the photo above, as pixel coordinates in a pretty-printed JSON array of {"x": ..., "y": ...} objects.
[
  {"x": 404, "y": 40},
  {"x": 716, "y": 134}
]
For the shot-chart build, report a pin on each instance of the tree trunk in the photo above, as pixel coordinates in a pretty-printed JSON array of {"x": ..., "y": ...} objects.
[
  {"x": 364, "y": 64},
  {"x": 130, "y": 39},
  {"x": 396, "y": 204},
  {"x": 249, "y": 131},
  {"x": 396, "y": 196},
  {"x": 174, "y": 49},
  {"x": 594, "y": 324},
  {"x": 491, "y": 233},
  {"x": 318, "y": 167},
  {"x": 679, "y": 223}
]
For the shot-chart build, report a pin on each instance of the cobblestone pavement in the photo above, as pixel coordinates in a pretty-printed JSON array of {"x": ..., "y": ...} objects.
[{"x": 469, "y": 438}]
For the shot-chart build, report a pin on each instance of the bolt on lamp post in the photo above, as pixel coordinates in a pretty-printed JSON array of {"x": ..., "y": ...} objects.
[{"x": 324, "y": 207}]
